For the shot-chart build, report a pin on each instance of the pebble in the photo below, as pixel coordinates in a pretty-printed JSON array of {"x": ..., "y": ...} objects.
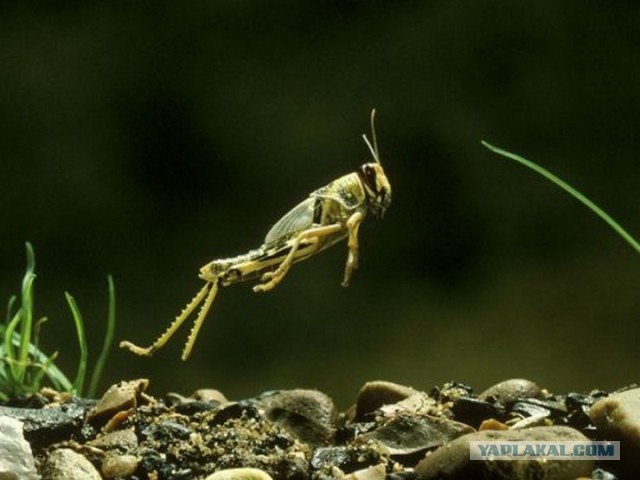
[
  {"x": 618, "y": 418},
  {"x": 16, "y": 459},
  {"x": 510, "y": 391},
  {"x": 66, "y": 464},
  {"x": 376, "y": 394},
  {"x": 452, "y": 461},
  {"x": 125, "y": 440},
  {"x": 347, "y": 458},
  {"x": 419, "y": 403},
  {"x": 473, "y": 411},
  {"x": 121, "y": 396},
  {"x": 116, "y": 466},
  {"x": 492, "y": 424},
  {"x": 240, "y": 474},
  {"x": 309, "y": 415},
  {"x": 407, "y": 434},
  {"x": 209, "y": 395},
  {"x": 371, "y": 473}
]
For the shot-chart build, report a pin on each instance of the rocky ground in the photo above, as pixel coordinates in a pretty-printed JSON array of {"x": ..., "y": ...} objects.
[{"x": 392, "y": 432}]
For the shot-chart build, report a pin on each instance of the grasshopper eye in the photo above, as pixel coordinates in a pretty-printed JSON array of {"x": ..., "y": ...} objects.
[{"x": 368, "y": 175}]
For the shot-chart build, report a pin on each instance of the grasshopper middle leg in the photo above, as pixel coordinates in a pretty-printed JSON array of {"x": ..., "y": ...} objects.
[{"x": 353, "y": 224}]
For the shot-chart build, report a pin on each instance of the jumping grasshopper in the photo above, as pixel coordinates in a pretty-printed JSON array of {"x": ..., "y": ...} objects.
[{"x": 329, "y": 215}]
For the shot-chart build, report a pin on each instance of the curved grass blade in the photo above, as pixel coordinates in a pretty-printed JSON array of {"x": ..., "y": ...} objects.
[
  {"x": 27, "y": 304},
  {"x": 569, "y": 189},
  {"x": 82, "y": 341},
  {"x": 108, "y": 340}
]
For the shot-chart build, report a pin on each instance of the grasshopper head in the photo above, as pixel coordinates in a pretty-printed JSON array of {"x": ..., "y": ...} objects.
[{"x": 376, "y": 185}]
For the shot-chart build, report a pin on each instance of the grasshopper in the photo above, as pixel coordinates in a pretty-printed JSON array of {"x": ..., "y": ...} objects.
[{"x": 330, "y": 214}]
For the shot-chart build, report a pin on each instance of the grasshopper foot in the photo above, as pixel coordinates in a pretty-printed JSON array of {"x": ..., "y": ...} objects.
[
  {"x": 270, "y": 279},
  {"x": 145, "y": 352},
  {"x": 265, "y": 287},
  {"x": 352, "y": 265}
]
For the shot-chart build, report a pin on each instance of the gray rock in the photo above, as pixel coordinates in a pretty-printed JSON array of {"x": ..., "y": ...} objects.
[
  {"x": 452, "y": 461},
  {"x": 45, "y": 426},
  {"x": 407, "y": 434},
  {"x": 66, "y": 464},
  {"x": 376, "y": 394},
  {"x": 16, "y": 459},
  {"x": 308, "y": 414},
  {"x": 510, "y": 390},
  {"x": 618, "y": 418}
]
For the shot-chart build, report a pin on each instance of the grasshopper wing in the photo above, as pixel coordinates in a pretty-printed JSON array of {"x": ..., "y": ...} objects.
[{"x": 299, "y": 218}]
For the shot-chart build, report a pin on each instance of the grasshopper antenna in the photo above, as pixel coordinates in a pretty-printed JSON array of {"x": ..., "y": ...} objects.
[{"x": 373, "y": 149}]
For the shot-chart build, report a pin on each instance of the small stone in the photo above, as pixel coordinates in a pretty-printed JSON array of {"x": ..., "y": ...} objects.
[
  {"x": 419, "y": 403},
  {"x": 210, "y": 395},
  {"x": 376, "y": 394},
  {"x": 528, "y": 410},
  {"x": 556, "y": 406},
  {"x": 16, "y": 458},
  {"x": 537, "y": 420},
  {"x": 115, "y": 466},
  {"x": 492, "y": 424},
  {"x": 578, "y": 406},
  {"x": 617, "y": 417},
  {"x": 510, "y": 391},
  {"x": 240, "y": 474},
  {"x": 371, "y": 473},
  {"x": 66, "y": 464},
  {"x": 124, "y": 440},
  {"x": 452, "y": 461},
  {"x": 234, "y": 410},
  {"x": 347, "y": 458},
  {"x": 473, "y": 411},
  {"x": 599, "y": 474},
  {"x": 121, "y": 396},
  {"x": 308, "y": 414},
  {"x": 407, "y": 434}
]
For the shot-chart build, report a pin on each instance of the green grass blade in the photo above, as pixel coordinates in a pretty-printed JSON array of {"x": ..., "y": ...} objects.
[
  {"x": 10, "y": 304},
  {"x": 58, "y": 379},
  {"x": 82, "y": 341},
  {"x": 569, "y": 189},
  {"x": 26, "y": 324},
  {"x": 27, "y": 304},
  {"x": 108, "y": 340},
  {"x": 13, "y": 370}
]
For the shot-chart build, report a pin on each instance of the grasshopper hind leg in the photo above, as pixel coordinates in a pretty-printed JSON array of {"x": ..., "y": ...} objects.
[
  {"x": 209, "y": 292},
  {"x": 202, "y": 314}
]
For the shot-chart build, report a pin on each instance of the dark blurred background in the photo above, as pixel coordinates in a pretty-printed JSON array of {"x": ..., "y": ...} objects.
[{"x": 148, "y": 139}]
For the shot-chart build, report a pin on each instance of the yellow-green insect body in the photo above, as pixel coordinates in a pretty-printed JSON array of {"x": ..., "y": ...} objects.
[{"x": 330, "y": 214}]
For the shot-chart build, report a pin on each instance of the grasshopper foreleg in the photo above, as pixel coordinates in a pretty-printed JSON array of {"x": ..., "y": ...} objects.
[
  {"x": 210, "y": 288},
  {"x": 273, "y": 278},
  {"x": 353, "y": 224}
]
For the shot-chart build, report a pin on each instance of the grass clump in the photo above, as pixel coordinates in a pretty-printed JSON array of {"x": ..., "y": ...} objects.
[{"x": 24, "y": 368}]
